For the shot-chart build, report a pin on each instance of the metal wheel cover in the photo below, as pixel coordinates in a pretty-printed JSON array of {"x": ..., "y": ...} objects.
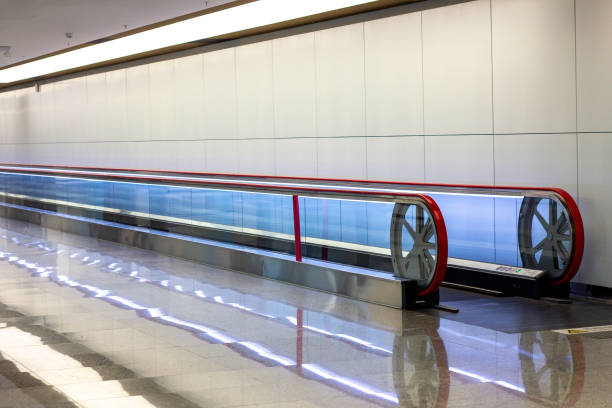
[
  {"x": 545, "y": 238},
  {"x": 416, "y": 259}
]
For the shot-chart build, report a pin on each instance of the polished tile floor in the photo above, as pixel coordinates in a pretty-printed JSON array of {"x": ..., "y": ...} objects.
[{"x": 89, "y": 323}]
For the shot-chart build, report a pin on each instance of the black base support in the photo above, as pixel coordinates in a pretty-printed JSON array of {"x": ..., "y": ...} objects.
[
  {"x": 561, "y": 291},
  {"x": 498, "y": 284},
  {"x": 412, "y": 300}
]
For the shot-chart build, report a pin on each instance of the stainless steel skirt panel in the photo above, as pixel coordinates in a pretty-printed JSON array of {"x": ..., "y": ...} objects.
[{"x": 357, "y": 283}]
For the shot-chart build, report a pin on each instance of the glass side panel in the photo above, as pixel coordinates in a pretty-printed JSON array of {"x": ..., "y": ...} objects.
[
  {"x": 261, "y": 220},
  {"x": 480, "y": 227},
  {"x": 344, "y": 230},
  {"x": 351, "y": 224}
]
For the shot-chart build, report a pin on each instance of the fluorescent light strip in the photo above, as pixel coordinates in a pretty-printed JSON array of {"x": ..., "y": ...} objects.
[{"x": 247, "y": 16}]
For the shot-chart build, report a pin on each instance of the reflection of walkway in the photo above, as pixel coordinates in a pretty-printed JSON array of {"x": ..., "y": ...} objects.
[
  {"x": 555, "y": 380},
  {"x": 416, "y": 359},
  {"x": 248, "y": 349}
]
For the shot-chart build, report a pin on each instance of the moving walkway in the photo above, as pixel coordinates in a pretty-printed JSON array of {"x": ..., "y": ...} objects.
[{"x": 352, "y": 237}]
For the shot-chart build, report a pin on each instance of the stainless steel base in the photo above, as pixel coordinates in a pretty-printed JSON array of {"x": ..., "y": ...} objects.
[{"x": 358, "y": 283}]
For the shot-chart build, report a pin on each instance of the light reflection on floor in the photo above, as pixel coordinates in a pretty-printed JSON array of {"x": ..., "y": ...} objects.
[{"x": 91, "y": 323}]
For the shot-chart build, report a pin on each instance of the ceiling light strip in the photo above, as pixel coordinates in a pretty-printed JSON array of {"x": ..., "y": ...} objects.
[{"x": 231, "y": 20}]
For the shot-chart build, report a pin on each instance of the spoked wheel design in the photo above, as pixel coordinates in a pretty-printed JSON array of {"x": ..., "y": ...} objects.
[
  {"x": 414, "y": 244},
  {"x": 545, "y": 236},
  {"x": 549, "y": 367}
]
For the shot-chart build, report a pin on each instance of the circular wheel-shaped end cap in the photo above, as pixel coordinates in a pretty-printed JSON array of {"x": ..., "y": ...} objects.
[
  {"x": 415, "y": 245},
  {"x": 546, "y": 236}
]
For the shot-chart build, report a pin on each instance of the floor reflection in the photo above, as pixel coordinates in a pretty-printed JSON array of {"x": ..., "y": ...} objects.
[
  {"x": 415, "y": 365},
  {"x": 421, "y": 375},
  {"x": 552, "y": 367}
]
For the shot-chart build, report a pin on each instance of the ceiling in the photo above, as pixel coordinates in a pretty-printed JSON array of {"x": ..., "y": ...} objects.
[{"x": 36, "y": 27}]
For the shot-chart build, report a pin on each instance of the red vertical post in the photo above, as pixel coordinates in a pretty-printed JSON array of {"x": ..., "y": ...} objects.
[{"x": 296, "y": 229}]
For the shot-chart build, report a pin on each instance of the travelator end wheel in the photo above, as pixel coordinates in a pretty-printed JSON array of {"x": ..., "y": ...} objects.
[
  {"x": 545, "y": 236},
  {"x": 417, "y": 254},
  {"x": 414, "y": 244}
]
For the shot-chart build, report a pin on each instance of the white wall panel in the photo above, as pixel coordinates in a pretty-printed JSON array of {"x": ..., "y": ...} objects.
[
  {"x": 340, "y": 81},
  {"x": 31, "y": 108},
  {"x": 38, "y": 130},
  {"x": 7, "y": 116},
  {"x": 594, "y": 64},
  {"x": 9, "y": 153},
  {"x": 342, "y": 157},
  {"x": 134, "y": 155},
  {"x": 77, "y": 94},
  {"x": 123, "y": 155},
  {"x": 62, "y": 153},
  {"x": 83, "y": 157},
  {"x": 138, "y": 103},
  {"x": 162, "y": 85},
  {"x": 116, "y": 105},
  {"x": 191, "y": 155},
  {"x": 123, "y": 152},
  {"x": 50, "y": 153},
  {"x": 96, "y": 107},
  {"x": 60, "y": 112},
  {"x": 294, "y": 86},
  {"x": 103, "y": 156},
  {"x": 256, "y": 156},
  {"x": 4, "y": 156},
  {"x": 536, "y": 160},
  {"x": 296, "y": 157},
  {"x": 107, "y": 156},
  {"x": 89, "y": 154},
  {"x": 189, "y": 97},
  {"x": 394, "y": 75},
  {"x": 254, "y": 89},
  {"x": 457, "y": 69},
  {"x": 219, "y": 94},
  {"x": 534, "y": 66},
  {"x": 162, "y": 155},
  {"x": 35, "y": 153},
  {"x": 221, "y": 156},
  {"x": 466, "y": 159},
  {"x": 49, "y": 113},
  {"x": 396, "y": 158},
  {"x": 595, "y": 197},
  {"x": 21, "y": 118}
]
